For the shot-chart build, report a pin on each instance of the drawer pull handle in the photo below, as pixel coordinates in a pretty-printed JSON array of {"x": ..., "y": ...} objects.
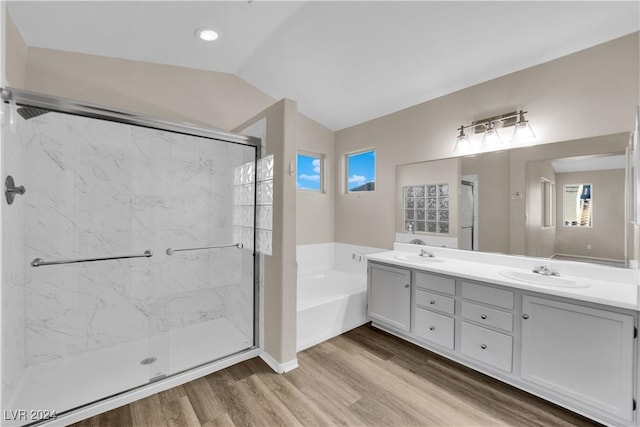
[
  {"x": 432, "y": 302},
  {"x": 483, "y": 346},
  {"x": 406, "y": 286},
  {"x": 432, "y": 328},
  {"x": 483, "y": 317},
  {"x": 525, "y": 316}
]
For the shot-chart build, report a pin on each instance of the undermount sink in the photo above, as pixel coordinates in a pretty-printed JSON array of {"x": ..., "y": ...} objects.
[
  {"x": 540, "y": 279},
  {"x": 416, "y": 258}
]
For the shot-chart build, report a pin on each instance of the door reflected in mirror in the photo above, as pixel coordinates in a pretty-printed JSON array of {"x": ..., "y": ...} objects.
[
  {"x": 548, "y": 191},
  {"x": 578, "y": 205}
]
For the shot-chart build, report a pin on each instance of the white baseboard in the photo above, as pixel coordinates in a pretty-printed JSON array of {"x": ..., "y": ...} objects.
[{"x": 280, "y": 368}]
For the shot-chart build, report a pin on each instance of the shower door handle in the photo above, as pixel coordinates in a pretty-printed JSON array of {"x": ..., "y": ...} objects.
[
  {"x": 171, "y": 251},
  {"x": 38, "y": 262}
]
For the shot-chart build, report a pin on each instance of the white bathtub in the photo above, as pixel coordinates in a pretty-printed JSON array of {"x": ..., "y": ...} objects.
[{"x": 329, "y": 303}]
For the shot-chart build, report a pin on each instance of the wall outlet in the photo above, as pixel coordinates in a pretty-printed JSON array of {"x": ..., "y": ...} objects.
[
  {"x": 357, "y": 257},
  {"x": 589, "y": 246}
]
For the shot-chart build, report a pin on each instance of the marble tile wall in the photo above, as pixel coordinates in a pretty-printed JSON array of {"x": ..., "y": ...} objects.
[
  {"x": 98, "y": 188},
  {"x": 13, "y": 317}
]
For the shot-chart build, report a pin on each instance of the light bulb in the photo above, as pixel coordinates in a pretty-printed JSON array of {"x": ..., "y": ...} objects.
[
  {"x": 463, "y": 144},
  {"x": 491, "y": 137},
  {"x": 522, "y": 131},
  {"x": 207, "y": 34}
]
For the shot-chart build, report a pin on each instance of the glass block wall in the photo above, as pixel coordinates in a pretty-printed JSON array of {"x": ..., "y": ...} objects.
[
  {"x": 426, "y": 208},
  {"x": 243, "y": 198}
]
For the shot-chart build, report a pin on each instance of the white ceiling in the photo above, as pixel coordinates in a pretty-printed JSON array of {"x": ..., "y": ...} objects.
[
  {"x": 589, "y": 163},
  {"x": 343, "y": 62}
]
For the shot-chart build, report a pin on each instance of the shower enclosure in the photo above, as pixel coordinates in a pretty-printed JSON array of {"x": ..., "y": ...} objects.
[{"x": 127, "y": 253}]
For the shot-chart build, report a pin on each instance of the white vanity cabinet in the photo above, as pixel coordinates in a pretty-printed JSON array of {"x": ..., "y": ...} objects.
[
  {"x": 577, "y": 354},
  {"x": 487, "y": 323},
  {"x": 434, "y": 307},
  {"x": 389, "y": 296},
  {"x": 580, "y": 354}
]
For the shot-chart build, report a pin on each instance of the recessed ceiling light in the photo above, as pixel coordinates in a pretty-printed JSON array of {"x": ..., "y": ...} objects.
[{"x": 207, "y": 34}]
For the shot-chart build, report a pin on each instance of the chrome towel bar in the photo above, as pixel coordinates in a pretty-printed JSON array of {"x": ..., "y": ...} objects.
[
  {"x": 38, "y": 262},
  {"x": 171, "y": 251}
]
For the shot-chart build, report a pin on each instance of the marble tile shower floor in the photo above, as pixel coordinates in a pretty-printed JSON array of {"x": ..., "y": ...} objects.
[{"x": 66, "y": 383}]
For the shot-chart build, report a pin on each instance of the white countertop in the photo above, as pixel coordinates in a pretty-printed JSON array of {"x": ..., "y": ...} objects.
[{"x": 622, "y": 292}]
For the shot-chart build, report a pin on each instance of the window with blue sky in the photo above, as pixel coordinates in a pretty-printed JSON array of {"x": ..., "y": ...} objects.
[
  {"x": 361, "y": 171},
  {"x": 309, "y": 172}
]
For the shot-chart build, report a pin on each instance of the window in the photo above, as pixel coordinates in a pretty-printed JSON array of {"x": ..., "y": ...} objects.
[
  {"x": 578, "y": 205},
  {"x": 361, "y": 171},
  {"x": 426, "y": 208},
  {"x": 310, "y": 172}
]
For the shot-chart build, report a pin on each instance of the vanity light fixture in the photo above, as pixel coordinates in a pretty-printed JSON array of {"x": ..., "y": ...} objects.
[
  {"x": 489, "y": 129},
  {"x": 523, "y": 131},
  {"x": 463, "y": 143},
  {"x": 491, "y": 138},
  {"x": 207, "y": 34}
]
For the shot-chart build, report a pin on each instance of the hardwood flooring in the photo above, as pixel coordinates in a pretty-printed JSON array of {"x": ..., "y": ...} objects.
[{"x": 365, "y": 377}]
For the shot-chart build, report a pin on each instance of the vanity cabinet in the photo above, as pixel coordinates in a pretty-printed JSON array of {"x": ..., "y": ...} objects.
[
  {"x": 487, "y": 323},
  {"x": 389, "y": 296},
  {"x": 578, "y": 353},
  {"x": 434, "y": 307}
]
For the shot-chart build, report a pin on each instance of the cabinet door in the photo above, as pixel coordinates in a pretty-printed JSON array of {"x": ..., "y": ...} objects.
[
  {"x": 389, "y": 296},
  {"x": 579, "y": 353}
]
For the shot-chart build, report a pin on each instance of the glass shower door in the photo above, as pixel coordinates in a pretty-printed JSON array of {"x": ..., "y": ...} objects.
[
  {"x": 98, "y": 304},
  {"x": 83, "y": 264},
  {"x": 201, "y": 305}
]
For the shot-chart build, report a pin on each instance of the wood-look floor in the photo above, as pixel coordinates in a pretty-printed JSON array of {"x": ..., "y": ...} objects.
[{"x": 362, "y": 378}]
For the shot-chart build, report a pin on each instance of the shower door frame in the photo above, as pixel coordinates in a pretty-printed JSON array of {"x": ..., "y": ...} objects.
[{"x": 67, "y": 106}]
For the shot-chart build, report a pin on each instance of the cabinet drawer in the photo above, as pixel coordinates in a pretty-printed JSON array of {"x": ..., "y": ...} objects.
[
  {"x": 488, "y": 295},
  {"x": 435, "y": 302},
  {"x": 492, "y": 348},
  {"x": 444, "y": 285},
  {"x": 434, "y": 327},
  {"x": 487, "y": 316}
]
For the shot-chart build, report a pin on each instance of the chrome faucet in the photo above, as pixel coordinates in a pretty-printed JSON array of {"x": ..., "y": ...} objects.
[
  {"x": 427, "y": 253},
  {"x": 545, "y": 270},
  {"x": 409, "y": 228}
]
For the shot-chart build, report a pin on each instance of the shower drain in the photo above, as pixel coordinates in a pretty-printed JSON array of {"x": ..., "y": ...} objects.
[{"x": 148, "y": 360}]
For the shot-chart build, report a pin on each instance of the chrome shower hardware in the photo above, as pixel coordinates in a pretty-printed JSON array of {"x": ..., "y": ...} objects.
[
  {"x": 40, "y": 262},
  {"x": 171, "y": 251},
  {"x": 11, "y": 190}
]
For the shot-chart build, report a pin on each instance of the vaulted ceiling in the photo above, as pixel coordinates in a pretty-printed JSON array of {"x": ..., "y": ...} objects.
[{"x": 343, "y": 62}]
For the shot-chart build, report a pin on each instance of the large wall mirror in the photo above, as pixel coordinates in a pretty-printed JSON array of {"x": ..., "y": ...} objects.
[{"x": 566, "y": 200}]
